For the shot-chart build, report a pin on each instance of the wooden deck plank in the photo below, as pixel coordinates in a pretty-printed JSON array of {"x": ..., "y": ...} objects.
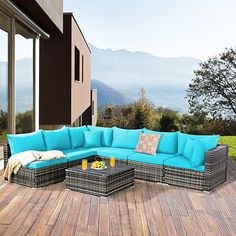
[
  {"x": 147, "y": 209},
  {"x": 82, "y": 223}
]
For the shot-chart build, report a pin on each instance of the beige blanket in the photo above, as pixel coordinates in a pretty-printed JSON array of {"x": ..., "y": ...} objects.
[{"x": 15, "y": 162}]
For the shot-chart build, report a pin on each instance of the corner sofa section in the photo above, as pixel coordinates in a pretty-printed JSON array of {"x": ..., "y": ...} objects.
[{"x": 168, "y": 166}]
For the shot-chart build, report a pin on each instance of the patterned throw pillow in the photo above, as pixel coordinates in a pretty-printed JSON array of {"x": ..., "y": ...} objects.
[{"x": 148, "y": 143}]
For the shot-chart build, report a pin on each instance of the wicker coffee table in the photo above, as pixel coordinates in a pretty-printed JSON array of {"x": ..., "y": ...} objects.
[{"x": 99, "y": 182}]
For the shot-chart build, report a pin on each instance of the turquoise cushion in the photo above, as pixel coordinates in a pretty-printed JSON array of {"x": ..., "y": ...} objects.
[
  {"x": 119, "y": 153},
  {"x": 93, "y": 139},
  {"x": 158, "y": 159},
  {"x": 182, "y": 138},
  {"x": 107, "y": 134},
  {"x": 57, "y": 139},
  {"x": 125, "y": 138},
  {"x": 25, "y": 142},
  {"x": 188, "y": 149},
  {"x": 41, "y": 164},
  {"x": 168, "y": 141},
  {"x": 200, "y": 148},
  {"x": 181, "y": 162},
  {"x": 79, "y": 153},
  {"x": 77, "y": 136}
]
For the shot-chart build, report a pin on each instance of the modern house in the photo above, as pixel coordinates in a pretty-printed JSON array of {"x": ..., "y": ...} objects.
[{"x": 44, "y": 68}]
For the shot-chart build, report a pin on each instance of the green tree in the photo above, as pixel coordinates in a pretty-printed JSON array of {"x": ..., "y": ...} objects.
[
  {"x": 194, "y": 123},
  {"x": 213, "y": 90},
  {"x": 144, "y": 112},
  {"x": 24, "y": 122},
  {"x": 169, "y": 122}
]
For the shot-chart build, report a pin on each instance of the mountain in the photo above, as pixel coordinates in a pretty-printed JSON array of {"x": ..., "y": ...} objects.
[
  {"x": 164, "y": 79},
  {"x": 107, "y": 95}
]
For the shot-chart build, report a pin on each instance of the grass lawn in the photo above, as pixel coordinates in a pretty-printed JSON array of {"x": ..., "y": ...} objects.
[{"x": 231, "y": 141}]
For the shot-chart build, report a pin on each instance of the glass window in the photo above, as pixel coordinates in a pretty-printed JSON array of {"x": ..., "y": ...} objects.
[
  {"x": 77, "y": 64},
  {"x": 4, "y": 29},
  {"x": 82, "y": 68},
  {"x": 24, "y": 77}
]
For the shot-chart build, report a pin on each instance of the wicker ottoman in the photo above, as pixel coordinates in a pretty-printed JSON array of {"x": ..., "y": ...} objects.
[{"x": 99, "y": 182}]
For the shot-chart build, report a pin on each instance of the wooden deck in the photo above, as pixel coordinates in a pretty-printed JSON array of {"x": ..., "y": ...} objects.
[{"x": 147, "y": 209}]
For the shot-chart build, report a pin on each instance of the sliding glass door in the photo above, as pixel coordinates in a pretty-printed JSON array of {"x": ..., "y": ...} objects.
[
  {"x": 4, "y": 31},
  {"x": 17, "y": 76},
  {"x": 24, "y": 77}
]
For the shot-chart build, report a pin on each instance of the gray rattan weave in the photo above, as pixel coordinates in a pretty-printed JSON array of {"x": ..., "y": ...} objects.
[
  {"x": 36, "y": 177},
  {"x": 147, "y": 171},
  {"x": 215, "y": 172},
  {"x": 99, "y": 182}
]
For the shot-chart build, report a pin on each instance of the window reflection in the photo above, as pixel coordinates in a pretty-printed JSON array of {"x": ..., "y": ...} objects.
[
  {"x": 4, "y": 29},
  {"x": 24, "y": 77}
]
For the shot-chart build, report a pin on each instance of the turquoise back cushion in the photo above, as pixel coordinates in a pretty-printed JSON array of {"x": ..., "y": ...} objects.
[
  {"x": 168, "y": 141},
  {"x": 107, "y": 134},
  {"x": 25, "y": 142},
  {"x": 189, "y": 147},
  {"x": 195, "y": 150},
  {"x": 200, "y": 149},
  {"x": 125, "y": 138},
  {"x": 77, "y": 136},
  {"x": 182, "y": 138},
  {"x": 57, "y": 139},
  {"x": 93, "y": 139}
]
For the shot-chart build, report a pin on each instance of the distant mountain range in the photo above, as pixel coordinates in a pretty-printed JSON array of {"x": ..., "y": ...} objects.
[
  {"x": 107, "y": 95},
  {"x": 119, "y": 75},
  {"x": 164, "y": 79}
]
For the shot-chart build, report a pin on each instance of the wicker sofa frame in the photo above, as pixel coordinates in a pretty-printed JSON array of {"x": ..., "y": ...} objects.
[{"x": 215, "y": 172}]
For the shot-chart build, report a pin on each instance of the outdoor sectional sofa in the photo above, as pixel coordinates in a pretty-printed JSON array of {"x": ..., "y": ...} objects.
[{"x": 172, "y": 164}]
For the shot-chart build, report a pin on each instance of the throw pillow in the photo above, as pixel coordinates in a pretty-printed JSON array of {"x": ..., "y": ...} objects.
[
  {"x": 200, "y": 149},
  {"x": 125, "y": 138},
  {"x": 107, "y": 134},
  {"x": 168, "y": 141},
  {"x": 148, "y": 143},
  {"x": 93, "y": 139},
  {"x": 77, "y": 136},
  {"x": 188, "y": 148}
]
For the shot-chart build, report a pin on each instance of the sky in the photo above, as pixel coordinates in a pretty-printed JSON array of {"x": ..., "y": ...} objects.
[{"x": 166, "y": 28}]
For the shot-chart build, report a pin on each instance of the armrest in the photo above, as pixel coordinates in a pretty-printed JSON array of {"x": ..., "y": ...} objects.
[{"x": 216, "y": 158}]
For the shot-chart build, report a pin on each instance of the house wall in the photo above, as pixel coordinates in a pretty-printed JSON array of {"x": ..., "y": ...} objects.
[
  {"x": 80, "y": 91},
  {"x": 55, "y": 77},
  {"x": 62, "y": 99}
]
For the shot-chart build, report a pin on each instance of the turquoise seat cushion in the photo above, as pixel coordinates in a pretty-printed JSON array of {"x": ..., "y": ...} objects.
[
  {"x": 93, "y": 139},
  {"x": 57, "y": 139},
  {"x": 145, "y": 158},
  {"x": 107, "y": 134},
  {"x": 48, "y": 163},
  {"x": 77, "y": 136},
  {"x": 25, "y": 142},
  {"x": 79, "y": 153},
  {"x": 119, "y": 153},
  {"x": 181, "y": 162},
  {"x": 125, "y": 138},
  {"x": 182, "y": 138},
  {"x": 168, "y": 141}
]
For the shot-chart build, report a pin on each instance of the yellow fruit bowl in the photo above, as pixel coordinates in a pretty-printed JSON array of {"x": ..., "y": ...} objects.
[
  {"x": 98, "y": 165},
  {"x": 99, "y": 168}
]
